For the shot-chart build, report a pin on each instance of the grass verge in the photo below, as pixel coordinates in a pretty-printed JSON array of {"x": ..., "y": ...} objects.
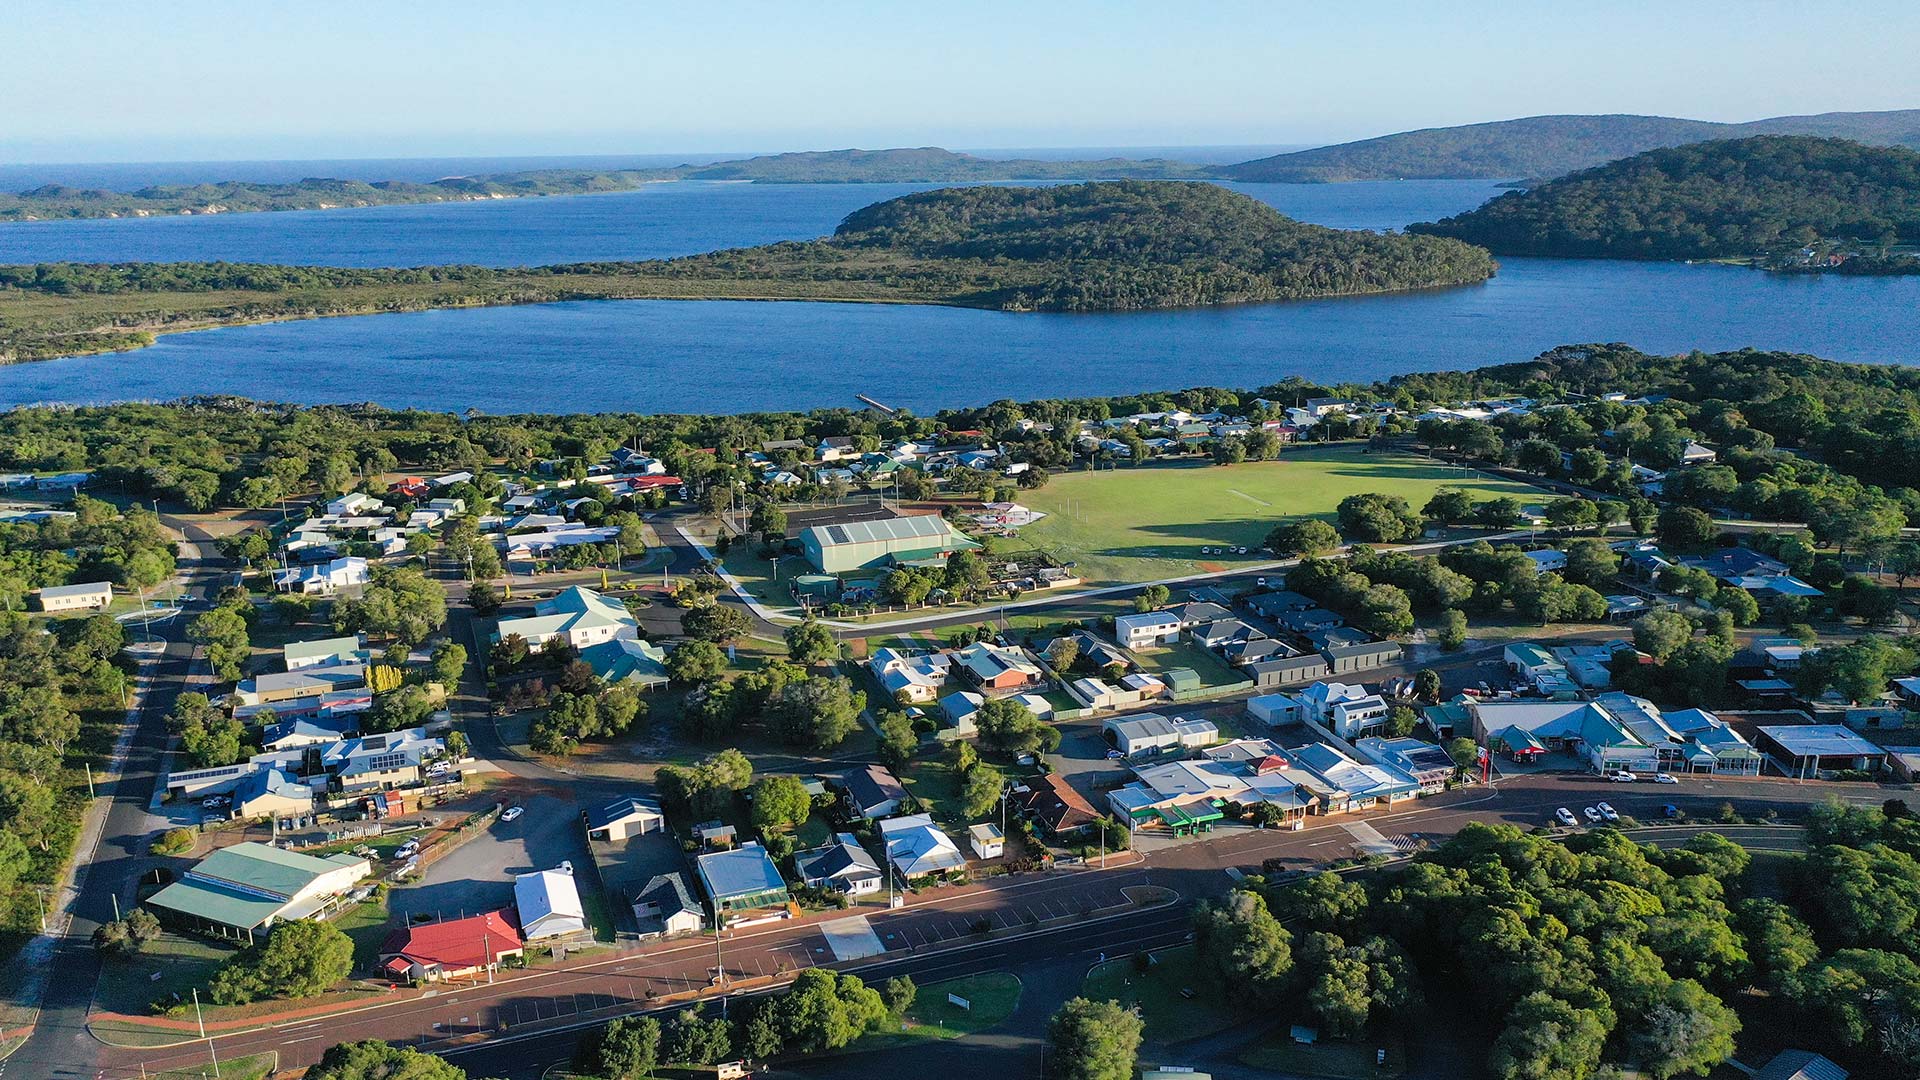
[
  {"x": 993, "y": 997},
  {"x": 1161, "y": 994}
]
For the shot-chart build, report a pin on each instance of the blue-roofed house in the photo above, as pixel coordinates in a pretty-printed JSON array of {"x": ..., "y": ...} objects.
[{"x": 742, "y": 880}]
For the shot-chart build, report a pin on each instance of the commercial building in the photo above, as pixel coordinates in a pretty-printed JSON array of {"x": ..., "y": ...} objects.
[
  {"x": 325, "y": 652},
  {"x": 1813, "y": 750},
  {"x": 863, "y": 545},
  {"x": 241, "y": 891},
  {"x": 1151, "y": 733}
]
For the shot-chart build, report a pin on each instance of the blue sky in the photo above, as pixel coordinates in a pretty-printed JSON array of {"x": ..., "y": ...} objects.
[{"x": 89, "y": 80}]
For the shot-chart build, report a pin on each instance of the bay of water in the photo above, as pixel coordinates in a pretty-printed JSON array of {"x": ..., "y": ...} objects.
[{"x": 707, "y": 356}]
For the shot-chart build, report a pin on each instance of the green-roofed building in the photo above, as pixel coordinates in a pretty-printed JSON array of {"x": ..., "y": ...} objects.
[
  {"x": 864, "y": 545},
  {"x": 242, "y": 890}
]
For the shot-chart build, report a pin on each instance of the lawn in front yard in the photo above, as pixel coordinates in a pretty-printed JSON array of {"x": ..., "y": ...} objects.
[
  {"x": 937, "y": 786},
  {"x": 1171, "y": 1015},
  {"x": 992, "y": 997},
  {"x": 1146, "y": 523},
  {"x": 173, "y": 964}
]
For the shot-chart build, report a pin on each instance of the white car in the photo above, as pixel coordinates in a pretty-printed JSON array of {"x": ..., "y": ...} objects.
[
  {"x": 1607, "y": 812},
  {"x": 1665, "y": 778},
  {"x": 1623, "y": 776},
  {"x": 1592, "y": 815},
  {"x": 1565, "y": 817},
  {"x": 512, "y": 812},
  {"x": 566, "y": 866}
]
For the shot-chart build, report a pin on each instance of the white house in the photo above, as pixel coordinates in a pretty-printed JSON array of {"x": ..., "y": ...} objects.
[
  {"x": 909, "y": 678},
  {"x": 582, "y": 616},
  {"x": 842, "y": 865},
  {"x": 549, "y": 905},
  {"x": 324, "y": 578},
  {"x": 1147, "y": 628},
  {"x": 916, "y": 848},
  {"x": 1547, "y": 560},
  {"x": 986, "y": 841},
  {"x": 355, "y": 504}
]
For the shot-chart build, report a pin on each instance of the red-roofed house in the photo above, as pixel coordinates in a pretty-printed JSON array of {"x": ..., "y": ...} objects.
[{"x": 431, "y": 952}]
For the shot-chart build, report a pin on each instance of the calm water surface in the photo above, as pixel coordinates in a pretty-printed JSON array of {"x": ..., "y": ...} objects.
[{"x": 735, "y": 356}]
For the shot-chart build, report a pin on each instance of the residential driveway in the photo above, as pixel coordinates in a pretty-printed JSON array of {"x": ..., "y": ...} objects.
[
  {"x": 478, "y": 876},
  {"x": 1082, "y": 760}
]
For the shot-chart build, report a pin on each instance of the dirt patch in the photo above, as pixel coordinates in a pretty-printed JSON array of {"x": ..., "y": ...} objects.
[{"x": 1211, "y": 567}]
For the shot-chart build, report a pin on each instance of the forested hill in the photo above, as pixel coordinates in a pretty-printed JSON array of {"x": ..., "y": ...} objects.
[
  {"x": 924, "y": 165},
  {"x": 1736, "y": 198},
  {"x": 1537, "y": 147},
  {"x": 1102, "y": 246}
]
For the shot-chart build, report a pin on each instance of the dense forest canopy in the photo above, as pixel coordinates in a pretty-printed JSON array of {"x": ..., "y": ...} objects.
[
  {"x": 1537, "y": 147},
  {"x": 1734, "y": 198},
  {"x": 1104, "y": 246}
]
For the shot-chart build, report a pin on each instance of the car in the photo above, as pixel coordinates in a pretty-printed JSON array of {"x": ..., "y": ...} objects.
[
  {"x": 1607, "y": 812},
  {"x": 1592, "y": 815},
  {"x": 1565, "y": 817},
  {"x": 1665, "y": 778},
  {"x": 512, "y": 813},
  {"x": 1622, "y": 776},
  {"x": 566, "y": 866},
  {"x": 1260, "y": 582},
  {"x": 1670, "y": 810},
  {"x": 1114, "y": 755}
]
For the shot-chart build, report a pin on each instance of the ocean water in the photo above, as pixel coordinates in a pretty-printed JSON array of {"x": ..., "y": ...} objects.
[{"x": 681, "y": 356}]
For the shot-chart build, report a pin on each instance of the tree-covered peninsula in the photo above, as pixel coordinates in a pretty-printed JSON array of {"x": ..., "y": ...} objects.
[
  {"x": 1789, "y": 202},
  {"x": 1109, "y": 246},
  {"x": 917, "y": 165}
]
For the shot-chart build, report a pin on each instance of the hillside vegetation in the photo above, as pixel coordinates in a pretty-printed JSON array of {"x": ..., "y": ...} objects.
[
  {"x": 1537, "y": 147},
  {"x": 1735, "y": 198},
  {"x": 1111, "y": 246}
]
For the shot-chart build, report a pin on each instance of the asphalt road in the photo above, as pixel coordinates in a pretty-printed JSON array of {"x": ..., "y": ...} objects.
[
  {"x": 519, "y": 1025},
  {"x": 60, "y": 1045}
]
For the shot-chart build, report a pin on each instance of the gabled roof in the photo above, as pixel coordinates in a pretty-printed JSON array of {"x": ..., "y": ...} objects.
[
  {"x": 624, "y": 809},
  {"x": 1055, "y": 803},
  {"x": 872, "y": 785},
  {"x": 918, "y": 527},
  {"x": 669, "y": 895},
  {"x": 546, "y": 894},
  {"x": 844, "y": 859},
  {"x": 744, "y": 871},
  {"x": 456, "y": 944}
]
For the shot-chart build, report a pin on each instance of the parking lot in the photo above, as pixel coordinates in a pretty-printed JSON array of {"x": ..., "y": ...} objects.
[{"x": 478, "y": 875}]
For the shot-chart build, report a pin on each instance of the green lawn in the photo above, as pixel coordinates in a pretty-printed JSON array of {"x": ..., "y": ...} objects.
[
  {"x": 1212, "y": 670},
  {"x": 1170, "y": 1016},
  {"x": 181, "y": 963},
  {"x": 931, "y": 1016},
  {"x": 368, "y": 924},
  {"x": 1341, "y": 1059},
  {"x": 1141, "y": 524},
  {"x": 937, "y": 786},
  {"x": 255, "y": 1067}
]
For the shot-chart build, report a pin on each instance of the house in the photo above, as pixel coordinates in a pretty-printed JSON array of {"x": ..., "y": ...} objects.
[
  {"x": 271, "y": 793},
  {"x": 1626, "y": 607},
  {"x": 665, "y": 907},
  {"x": 960, "y": 708},
  {"x": 1281, "y": 671},
  {"x": 548, "y": 903},
  {"x": 381, "y": 762},
  {"x": 452, "y": 949},
  {"x": 1223, "y": 632},
  {"x": 580, "y": 615},
  {"x": 623, "y": 818},
  {"x": 1309, "y": 620},
  {"x": 742, "y": 879},
  {"x": 1243, "y": 653},
  {"x": 1053, "y": 805},
  {"x": 302, "y": 732},
  {"x": 1727, "y": 564},
  {"x": 354, "y": 504},
  {"x": 873, "y": 792},
  {"x": 1810, "y": 751},
  {"x": 910, "y": 679},
  {"x": 994, "y": 667},
  {"x": 84, "y": 597},
  {"x": 1147, "y": 628},
  {"x": 986, "y": 841},
  {"x": 844, "y": 866},
  {"x": 324, "y": 652},
  {"x": 1096, "y": 652},
  {"x": 1537, "y": 666},
  {"x": 1548, "y": 560},
  {"x": 1151, "y": 733},
  {"x": 860, "y": 545},
  {"x": 323, "y": 579},
  {"x": 1800, "y": 1065},
  {"x": 1274, "y": 605},
  {"x": 1363, "y": 656},
  {"x": 916, "y": 848},
  {"x": 628, "y": 659},
  {"x": 1354, "y": 717},
  {"x": 1198, "y": 613},
  {"x": 1695, "y": 454},
  {"x": 243, "y": 890}
]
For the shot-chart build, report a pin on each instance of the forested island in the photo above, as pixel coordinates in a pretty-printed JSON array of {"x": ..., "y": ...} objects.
[
  {"x": 1539, "y": 147},
  {"x": 1782, "y": 201},
  {"x": 922, "y": 165},
  {"x": 1107, "y": 246}
]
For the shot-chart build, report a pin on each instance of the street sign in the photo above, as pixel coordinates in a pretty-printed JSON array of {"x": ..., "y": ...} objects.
[{"x": 956, "y": 999}]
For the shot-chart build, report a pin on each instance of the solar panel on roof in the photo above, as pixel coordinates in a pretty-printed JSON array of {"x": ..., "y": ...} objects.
[
  {"x": 384, "y": 762},
  {"x": 837, "y": 534}
]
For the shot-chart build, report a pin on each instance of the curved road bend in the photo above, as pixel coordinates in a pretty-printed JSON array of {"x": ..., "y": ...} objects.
[{"x": 60, "y": 1045}]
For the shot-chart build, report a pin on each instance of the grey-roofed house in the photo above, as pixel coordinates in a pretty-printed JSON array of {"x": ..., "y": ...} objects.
[
  {"x": 742, "y": 879},
  {"x": 302, "y": 732},
  {"x": 323, "y": 652},
  {"x": 1274, "y": 605},
  {"x": 1198, "y": 613},
  {"x": 873, "y": 792},
  {"x": 665, "y": 907},
  {"x": 1800, "y": 1065},
  {"x": 1153, "y": 733},
  {"x": 1223, "y": 632},
  {"x": 632, "y": 815},
  {"x": 1257, "y": 649},
  {"x": 843, "y": 865},
  {"x": 1305, "y": 622},
  {"x": 271, "y": 793}
]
